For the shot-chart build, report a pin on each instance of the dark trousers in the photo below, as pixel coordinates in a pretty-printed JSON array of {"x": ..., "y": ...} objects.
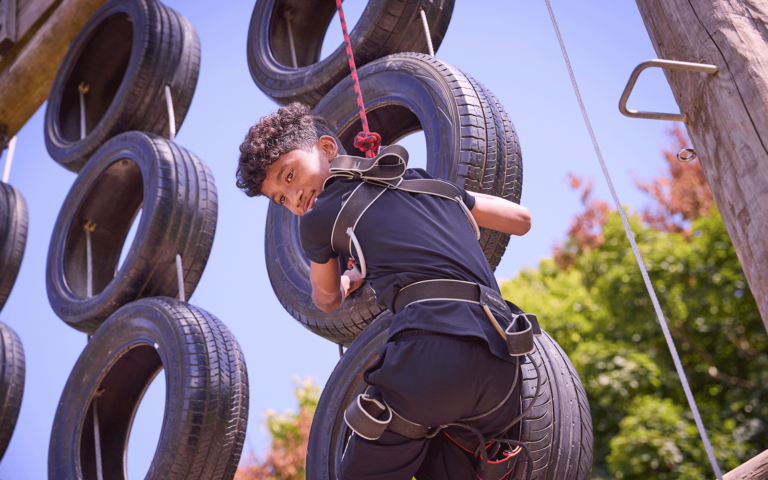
[{"x": 433, "y": 379}]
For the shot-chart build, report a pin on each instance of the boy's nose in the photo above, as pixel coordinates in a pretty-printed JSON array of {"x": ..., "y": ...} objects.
[{"x": 294, "y": 196}]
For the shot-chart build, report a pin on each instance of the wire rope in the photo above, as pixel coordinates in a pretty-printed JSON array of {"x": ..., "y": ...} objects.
[{"x": 639, "y": 258}]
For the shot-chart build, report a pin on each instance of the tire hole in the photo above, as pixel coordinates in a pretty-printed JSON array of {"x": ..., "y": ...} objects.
[
  {"x": 146, "y": 428},
  {"x": 334, "y": 36},
  {"x": 112, "y": 203},
  {"x": 416, "y": 144},
  {"x": 101, "y": 65},
  {"x": 129, "y": 240}
]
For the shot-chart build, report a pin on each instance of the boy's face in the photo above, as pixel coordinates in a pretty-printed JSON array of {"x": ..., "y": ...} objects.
[{"x": 296, "y": 178}]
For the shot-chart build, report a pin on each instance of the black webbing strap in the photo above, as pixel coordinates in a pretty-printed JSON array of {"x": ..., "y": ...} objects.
[
  {"x": 518, "y": 333},
  {"x": 358, "y": 202},
  {"x": 389, "y": 164},
  {"x": 369, "y": 416}
]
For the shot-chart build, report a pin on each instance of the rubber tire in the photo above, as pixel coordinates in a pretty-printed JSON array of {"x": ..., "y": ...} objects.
[
  {"x": 12, "y": 372},
  {"x": 471, "y": 142},
  {"x": 206, "y": 410},
  {"x": 13, "y": 237},
  {"x": 385, "y": 27},
  {"x": 177, "y": 195},
  {"x": 558, "y": 430},
  {"x": 128, "y": 51}
]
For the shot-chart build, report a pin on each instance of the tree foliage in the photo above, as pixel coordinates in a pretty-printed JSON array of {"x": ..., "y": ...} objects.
[
  {"x": 592, "y": 299},
  {"x": 290, "y": 433}
]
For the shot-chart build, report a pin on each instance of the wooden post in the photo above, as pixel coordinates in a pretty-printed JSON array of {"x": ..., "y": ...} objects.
[
  {"x": 27, "y": 79},
  {"x": 754, "y": 469},
  {"x": 727, "y": 112}
]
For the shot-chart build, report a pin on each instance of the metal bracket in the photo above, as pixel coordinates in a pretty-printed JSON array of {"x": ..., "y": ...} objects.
[{"x": 678, "y": 117}]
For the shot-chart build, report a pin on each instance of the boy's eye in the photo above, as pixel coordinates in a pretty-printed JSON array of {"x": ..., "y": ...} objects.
[
  {"x": 281, "y": 200},
  {"x": 289, "y": 177}
]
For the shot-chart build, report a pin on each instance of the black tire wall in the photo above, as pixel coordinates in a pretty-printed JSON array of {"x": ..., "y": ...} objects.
[
  {"x": 127, "y": 52},
  {"x": 13, "y": 237},
  {"x": 177, "y": 195},
  {"x": 558, "y": 429},
  {"x": 12, "y": 372},
  {"x": 470, "y": 141},
  {"x": 385, "y": 27},
  {"x": 206, "y": 409}
]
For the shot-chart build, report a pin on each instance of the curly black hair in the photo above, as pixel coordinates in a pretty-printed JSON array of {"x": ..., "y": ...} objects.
[{"x": 290, "y": 128}]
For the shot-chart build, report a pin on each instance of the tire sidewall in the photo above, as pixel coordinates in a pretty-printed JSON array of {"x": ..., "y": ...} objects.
[
  {"x": 61, "y": 149},
  {"x": 75, "y": 309},
  {"x": 136, "y": 324}
]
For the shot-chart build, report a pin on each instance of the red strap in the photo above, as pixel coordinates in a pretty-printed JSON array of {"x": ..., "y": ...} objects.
[{"x": 366, "y": 140}]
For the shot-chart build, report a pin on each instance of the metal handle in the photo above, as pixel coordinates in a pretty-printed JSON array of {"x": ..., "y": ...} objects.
[{"x": 678, "y": 117}]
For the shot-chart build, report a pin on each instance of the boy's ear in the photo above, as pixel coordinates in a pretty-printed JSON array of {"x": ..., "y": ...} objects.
[{"x": 328, "y": 146}]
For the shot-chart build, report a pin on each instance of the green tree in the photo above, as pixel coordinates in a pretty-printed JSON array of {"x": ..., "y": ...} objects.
[
  {"x": 290, "y": 433},
  {"x": 592, "y": 299}
]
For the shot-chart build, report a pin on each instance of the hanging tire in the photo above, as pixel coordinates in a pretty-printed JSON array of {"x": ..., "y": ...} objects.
[
  {"x": 470, "y": 141},
  {"x": 127, "y": 52},
  {"x": 177, "y": 195},
  {"x": 12, "y": 371},
  {"x": 558, "y": 430},
  {"x": 385, "y": 27},
  {"x": 206, "y": 409},
  {"x": 13, "y": 237}
]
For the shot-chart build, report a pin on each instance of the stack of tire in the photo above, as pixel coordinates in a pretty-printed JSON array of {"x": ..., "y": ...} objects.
[
  {"x": 13, "y": 240},
  {"x": 470, "y": 141},
  {"x": 127, "y": 55}
]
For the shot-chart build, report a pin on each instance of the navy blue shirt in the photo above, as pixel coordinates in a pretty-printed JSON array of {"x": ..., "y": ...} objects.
[{"x": 407, "y": 238}]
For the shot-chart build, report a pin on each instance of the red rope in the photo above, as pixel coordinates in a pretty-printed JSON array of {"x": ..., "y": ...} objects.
[{"x": 366, "y": 140}]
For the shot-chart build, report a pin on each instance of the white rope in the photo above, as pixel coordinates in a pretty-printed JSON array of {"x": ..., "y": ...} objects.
[
  {"x": 180, "y": 278},
  {"x": 9, "y": 159},
  {"x": 290, "y": 39},
  {"x": 171, "y": 117},
  {"x": 82, "y": 89},
  {"x": 640, "y": 263},
  {"x": 88, "y": 227},
  {"x": 426, "y": 31},
  {"x": 97, "y": 440}
]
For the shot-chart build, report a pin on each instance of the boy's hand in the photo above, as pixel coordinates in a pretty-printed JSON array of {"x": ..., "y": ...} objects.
[{"x": 351, "y": 281}]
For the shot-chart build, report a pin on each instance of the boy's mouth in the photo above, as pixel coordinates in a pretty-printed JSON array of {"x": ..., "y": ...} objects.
[{"x": 310, "y": 203}]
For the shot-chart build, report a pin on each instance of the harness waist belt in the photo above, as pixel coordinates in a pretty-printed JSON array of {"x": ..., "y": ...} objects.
[{"x": 518, "y": 333}]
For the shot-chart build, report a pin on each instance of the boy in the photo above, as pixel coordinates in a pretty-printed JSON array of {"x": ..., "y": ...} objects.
[{"x": 444, "y": 361}]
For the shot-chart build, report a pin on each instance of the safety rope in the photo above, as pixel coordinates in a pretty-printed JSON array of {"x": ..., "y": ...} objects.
[
  {"x": 639, "y": 258},
  {"x": 9, "y": 159},
  {"x": 366, "y": 140}
]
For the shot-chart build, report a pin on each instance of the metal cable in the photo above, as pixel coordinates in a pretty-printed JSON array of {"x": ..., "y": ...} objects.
[
  {"x": 82, "y": 89},
  {"x": 180, "y": 278},
  {"x": 639, "y": 258},
  {"x": 290, "y": 39},
  {"x": 88, "y": 227},
  {"x": 9, "y": 159},
  {"x": 426, "y": 31},
  {"x": 171, "y": 116},
  {"x": 97, "y": 440}
]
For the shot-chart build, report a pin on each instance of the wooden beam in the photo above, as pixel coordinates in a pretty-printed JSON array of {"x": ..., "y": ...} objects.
[
  {"x": 30, "y": 15},
  {"x": 727, "y": 112},
  {"x": 26, "y": 81},
  {"x": 7, "y": 25},
  {"x": 754, "y": 469}
]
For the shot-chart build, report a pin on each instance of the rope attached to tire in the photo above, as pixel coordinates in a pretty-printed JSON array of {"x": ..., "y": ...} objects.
[{"x": 367, "y": 141}]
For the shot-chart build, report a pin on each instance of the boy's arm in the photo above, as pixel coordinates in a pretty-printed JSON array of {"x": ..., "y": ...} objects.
[
  {"x": 329, "y": 287},
  {"x": 501, "y": 215}
]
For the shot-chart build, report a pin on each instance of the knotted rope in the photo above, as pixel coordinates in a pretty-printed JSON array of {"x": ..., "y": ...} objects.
[{"x": 367, "y": 141}]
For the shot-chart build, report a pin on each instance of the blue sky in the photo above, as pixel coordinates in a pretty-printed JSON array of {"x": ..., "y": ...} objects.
[{"x": 509, "y": 46}]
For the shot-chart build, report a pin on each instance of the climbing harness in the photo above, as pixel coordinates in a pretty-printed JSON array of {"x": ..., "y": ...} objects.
[
  {"x": 369, "y": 416},
  {"x": 638, "y": 257}
]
